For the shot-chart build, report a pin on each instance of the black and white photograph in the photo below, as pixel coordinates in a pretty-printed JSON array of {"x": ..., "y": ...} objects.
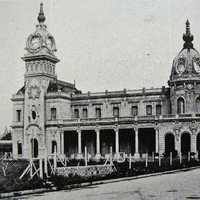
[{"x": 100, "y": 99}]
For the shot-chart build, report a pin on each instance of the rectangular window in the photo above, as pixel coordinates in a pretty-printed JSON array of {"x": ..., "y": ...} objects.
[
  {"x": 76, "y": 113},
  {"x": 149, "y": 109},
  {"x": 19, "y": 148},
  {"x": 53, "y": 113},
  {"x": 158, "y": 110},
  {"x": 116, "y": 111},
  {"x": 85, "y": 113},
  {"x": 18, "y": 115},
  {"x": 98, "y": 113},
  {"x": 134, "y": 110}
]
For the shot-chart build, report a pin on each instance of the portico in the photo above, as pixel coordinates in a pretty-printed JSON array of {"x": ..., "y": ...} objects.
[{"x": 99, "y": 141}]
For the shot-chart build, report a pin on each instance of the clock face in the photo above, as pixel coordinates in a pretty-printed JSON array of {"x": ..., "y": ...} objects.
[
  {"x": 196, "y": 66},
  {"x": 35, "y": 42},
  {"x": 49, "y": 42},
  {"x": 181, "y": 68}
]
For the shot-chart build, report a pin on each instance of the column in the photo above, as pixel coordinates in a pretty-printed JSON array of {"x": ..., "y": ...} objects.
[
  {"x": 136, "y": 155},
  {"x": 116, "y": 141},
  {"x": 61, "y": 142},
  {"x": 157, "y": 139},
  {"x": 80, "y": 155},
  {"x": 98, "y": 154},
  {"x": 194, "y": 141},
  {"x": 177, "y": 141}
]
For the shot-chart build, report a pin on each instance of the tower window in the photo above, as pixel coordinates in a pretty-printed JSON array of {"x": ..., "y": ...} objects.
[
  {"x": 76, "y": 113},
  {"x": 53, "y": 113},
  {"x": 18, "y": 115},
  {"x": 158, "y": 110},
  {"x": 149, "y": 109},
  {"x": 85, "y": 113},
  {"x": 116, "y": 111},
  {"x": 98, "y": 113},
  {"x": 19, "y": 148},
  {"x": 134, "y": 110},
  {"x": 198, "y": 105},
  {"x": 33, "y": 115},
  {"x": 180, "y": 105}
]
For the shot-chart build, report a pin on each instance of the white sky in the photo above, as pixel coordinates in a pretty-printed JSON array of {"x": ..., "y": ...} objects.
[{"x": 102, "y": 44}]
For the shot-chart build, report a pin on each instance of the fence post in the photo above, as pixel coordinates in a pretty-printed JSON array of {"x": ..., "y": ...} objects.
[
  {"x": 188, "y": 156},
  {"x": 170, "y": 158},
  {"x": 146, "y": 161},
  {"x": 85, "y": 156},
  {"x": 46, "y": 164},
  {"x": 153, "y": 156},
  {"x": 41, "y": 167},
  {"x": 130, "y": 161},
  {"x": 159, "y": 160},
  {"x": 111, "y": 153},
  {"x": 31, "y": 168},
  {"x": 54, "y": 162},
  {"x": 180, "y": 158}
]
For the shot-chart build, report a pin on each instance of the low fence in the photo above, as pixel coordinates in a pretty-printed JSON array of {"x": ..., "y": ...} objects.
[{"x": 86, "y": 171}]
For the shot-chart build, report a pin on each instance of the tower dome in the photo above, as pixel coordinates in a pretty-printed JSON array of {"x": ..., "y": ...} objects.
[
  {"x": 186, "y": 65},
  {"x": 41, "y": 42}
]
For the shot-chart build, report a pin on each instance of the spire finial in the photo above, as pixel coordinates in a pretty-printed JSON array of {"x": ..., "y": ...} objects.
[
  {"x": 187, "y": 27},
  {"x": 41, "y": 18},
  {"x": 188, "y": 37}
]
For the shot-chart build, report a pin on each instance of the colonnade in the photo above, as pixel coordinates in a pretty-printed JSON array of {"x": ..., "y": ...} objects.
[{"x": 116, "y": 151}]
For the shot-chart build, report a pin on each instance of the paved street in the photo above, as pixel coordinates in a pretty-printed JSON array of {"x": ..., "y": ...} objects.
[{"x": 179, "y": 186}]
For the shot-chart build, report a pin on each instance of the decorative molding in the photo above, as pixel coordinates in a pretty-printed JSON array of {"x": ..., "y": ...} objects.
[{"x": 33, "y": 124}]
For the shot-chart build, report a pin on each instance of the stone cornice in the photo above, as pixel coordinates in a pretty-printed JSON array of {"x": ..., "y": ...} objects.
[{"x": 40, "y": 57}]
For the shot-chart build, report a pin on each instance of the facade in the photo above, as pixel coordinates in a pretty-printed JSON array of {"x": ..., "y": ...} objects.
[{"x": 51, "y": 115}]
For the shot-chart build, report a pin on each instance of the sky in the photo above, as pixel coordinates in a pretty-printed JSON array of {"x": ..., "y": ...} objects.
[{"x": 102, "y": 44}]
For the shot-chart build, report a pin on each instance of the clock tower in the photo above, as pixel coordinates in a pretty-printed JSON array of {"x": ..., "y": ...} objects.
[
  {"x": 184, "y": 80},
  {"x": 40, "y": 62}
]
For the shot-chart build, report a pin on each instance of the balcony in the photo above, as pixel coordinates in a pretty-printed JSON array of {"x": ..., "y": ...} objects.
[{"x": 122, "y": 120}]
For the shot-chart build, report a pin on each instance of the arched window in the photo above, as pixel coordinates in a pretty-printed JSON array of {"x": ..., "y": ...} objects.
[
  {"x": 180, "y": 105},
  {"x": 54, "y": 147},
  {"x": 198, "y": 104}
]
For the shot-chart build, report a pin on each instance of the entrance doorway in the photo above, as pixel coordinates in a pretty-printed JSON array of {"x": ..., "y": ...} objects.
[
  {"x": 185, "y": 143},
  {"x": 169, "y": 143},
  {"x": 34, "y": 148},
  {"x": 147, "y": 139}
]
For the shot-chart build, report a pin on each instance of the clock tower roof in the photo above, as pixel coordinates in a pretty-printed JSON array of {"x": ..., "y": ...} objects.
[
  {"x": 41, "y": 43},
  {"x": 186, "y": 65}
]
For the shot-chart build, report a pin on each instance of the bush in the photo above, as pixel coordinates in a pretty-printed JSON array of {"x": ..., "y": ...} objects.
[{"x": 16, "y": 184}]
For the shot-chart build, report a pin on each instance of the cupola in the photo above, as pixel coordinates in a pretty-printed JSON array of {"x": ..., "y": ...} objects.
[
  {"x": 186, "y": 65},
  {"x": 41, "y": 42}
]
